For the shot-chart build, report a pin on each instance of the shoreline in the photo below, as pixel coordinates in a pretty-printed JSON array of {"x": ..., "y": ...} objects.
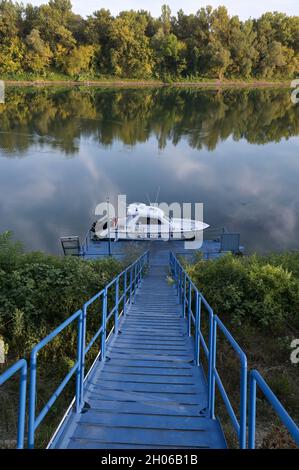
[{"x": 148, "y": 83}]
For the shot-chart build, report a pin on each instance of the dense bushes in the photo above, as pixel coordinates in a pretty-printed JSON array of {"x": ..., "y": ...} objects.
[
  {"x": 258, "y": 299},
  {"x": 39, "y": 291},
  {"x": 262, "y": 291}
]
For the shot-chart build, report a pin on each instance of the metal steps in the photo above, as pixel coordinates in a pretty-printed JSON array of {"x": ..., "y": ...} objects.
[{"x": 148, "y": 393}]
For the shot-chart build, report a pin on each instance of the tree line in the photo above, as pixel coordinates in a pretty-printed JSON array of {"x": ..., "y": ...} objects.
[{"x": 52, "y": 39}]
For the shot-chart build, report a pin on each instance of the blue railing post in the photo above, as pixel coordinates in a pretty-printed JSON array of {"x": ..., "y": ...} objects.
[
  {"x": 243, "y": 405},
  {"x": 141, "y": 264},
  {"x": 134, "y": 281},
  {"x": 180, "y": 284},
  {"x": 184, "y": 296},
  {"x": 131, "y": 281},
  {"x": 197, "y": 327},
  {"x": 32, "y": 398},
  {"x": 125, "y": 293},
  {"x": 116, "y": 306},
  {"x": 189, "y": 307},
  {"x": 176, "y": 277},
  {"x": 252, "y": 412},
  {"x": 240, "y": 426},
  {"x": 139, "y": 272},
  {"x": 212, "y": 365},
  {"x": 22, "y": 366},
  {"x": 82, "y": 355},
  {"x": 104, "y": 324},
  {"x": 22, "y": 404},
  {"x": 80, "y": 359}
]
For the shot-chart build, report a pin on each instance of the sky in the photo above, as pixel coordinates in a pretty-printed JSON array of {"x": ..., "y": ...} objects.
[{"x": 243, "y": 8}]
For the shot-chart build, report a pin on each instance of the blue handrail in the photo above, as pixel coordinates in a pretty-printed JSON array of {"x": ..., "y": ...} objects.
[
  {"x": 185, "y": 287},
  {"x": 34, "y": 421},
  {"x": 239, "y": 426},
  {"x": 21, "y": 366},
  {"x": 129, "y": 288},
  {"x": 254, "y": 380},
  {"x": 78, "y": 368},
  {"x": 182, "y": 287}
]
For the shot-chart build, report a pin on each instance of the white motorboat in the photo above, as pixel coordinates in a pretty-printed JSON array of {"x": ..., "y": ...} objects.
[{"x": 144, "y": 222}]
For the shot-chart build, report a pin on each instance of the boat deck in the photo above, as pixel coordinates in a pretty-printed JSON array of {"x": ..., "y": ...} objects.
[{"x": 123, "y": 249}]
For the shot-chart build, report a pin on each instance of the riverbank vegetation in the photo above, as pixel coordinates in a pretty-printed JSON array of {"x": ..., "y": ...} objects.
[
  {"x": 257, "y": 297},
  {"x": 50, "y": 40}
]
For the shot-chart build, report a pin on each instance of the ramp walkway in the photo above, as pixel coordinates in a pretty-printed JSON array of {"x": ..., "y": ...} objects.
[{"x": 147, "y": 387}]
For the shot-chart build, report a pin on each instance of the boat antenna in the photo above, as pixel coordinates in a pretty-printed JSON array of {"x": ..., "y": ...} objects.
[
  {"x": 148, "y": 198},
  {"x": 158, "y": 192}
]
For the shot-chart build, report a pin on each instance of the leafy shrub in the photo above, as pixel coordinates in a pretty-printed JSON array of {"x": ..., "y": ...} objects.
[
  {"x": 39, "y": 291},
  {"x": 254, "y": 290}
]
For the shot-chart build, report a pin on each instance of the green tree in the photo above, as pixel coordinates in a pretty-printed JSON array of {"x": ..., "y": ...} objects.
[
  {"x": 11, "y": 56},
  {"x": 39, "y": 54},
  {"x": 166, "y": 19},
  {"x": 79, "y": 60},
  {"x": 243, "y": 53},
  {"x": 169, "y": 54},
  {"x": 130, "y": 54},
  {"x": 98, "y": 27},
  {"x": 52, "y": 22},
  {"x": 10, "y": 20}
]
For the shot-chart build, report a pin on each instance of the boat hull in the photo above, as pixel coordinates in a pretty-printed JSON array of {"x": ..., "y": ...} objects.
[{"x": 115, "y": 235}]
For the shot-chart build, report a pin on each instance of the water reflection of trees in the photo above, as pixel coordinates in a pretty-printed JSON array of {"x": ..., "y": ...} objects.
[{"x": 58, "y": 118}]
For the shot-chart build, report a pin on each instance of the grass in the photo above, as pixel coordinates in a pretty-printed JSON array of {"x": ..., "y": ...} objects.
[{"x": 57, "y": 77}]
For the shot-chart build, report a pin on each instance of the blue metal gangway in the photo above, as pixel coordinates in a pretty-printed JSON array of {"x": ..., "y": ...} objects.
[{"x": 147, "y": 387}]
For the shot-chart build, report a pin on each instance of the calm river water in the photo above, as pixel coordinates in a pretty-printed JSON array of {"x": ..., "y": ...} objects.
[{"x": 63, "y": 150}]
